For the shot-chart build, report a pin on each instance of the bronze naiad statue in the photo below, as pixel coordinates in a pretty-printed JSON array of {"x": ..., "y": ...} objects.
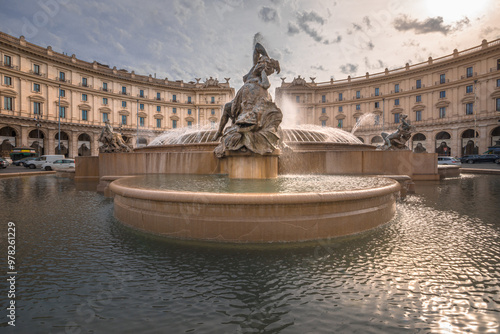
[
  {"x": 112, "y": 142},
  {"x": 397, "y": 140},
  {"x": 255, "y": 118}
]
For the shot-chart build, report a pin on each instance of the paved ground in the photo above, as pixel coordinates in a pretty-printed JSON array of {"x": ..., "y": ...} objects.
[
  {"x": 18, "y": 169},
  {"x": 483, "y": 165}
]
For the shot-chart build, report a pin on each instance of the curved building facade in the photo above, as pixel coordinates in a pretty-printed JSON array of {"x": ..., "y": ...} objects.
[
  {"x": 448, "y": 100},
  {"x": 38, "y": 82}
]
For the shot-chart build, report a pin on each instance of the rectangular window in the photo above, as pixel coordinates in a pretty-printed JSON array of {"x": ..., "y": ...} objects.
[
  {"x": 105, "y": 117},
  {"x": 7, "y": 60},
  {"x": 105, "y": 100},
  {"x": 498, "y": 82},
  {"x": 340, "y": 96},
  {"x": 124, "y": 119},
  {"x": 297, "y": 99},
  {"x": 190, "y": 124},
  {"x": 62, "y": 76},
  {"x": 124, "y": 90},
  {"x": 469, "y": 108},
  {"x": 62, "y": 93},
  {"x": 323, "y": 110},
  {"x": 340, "y": 124},
  {"x": 36, "y": 87},
  {"x": 469, "y": 72},
  {"x": 36, "y": 108},
  {"x": 174, "y": 110},
  {"x": 84, "y": 97},
  {"x": 377, "y": 91},
  {"x": 36, "y": 69},
  {"x": 418, "y": 84},
  {"x": 105, "y": 86},
  {"x": 85, "y": 115},
  {"x": 323, "y": 123},
  {"x": 442, "y": 112},
  {"x": 212, "y": 112},
  {"x": 124, "y": 104},
  {"x": 442, "y": 94},
  {"x": 323, "y": 98},
  {"x": 141, "y": 121},
  {"x": 469, "y": 89},
  {"x": 8, "y": 103},
  {"x": 174, "y": 124},
  {"x": 174, "y": 98},
  {"x": 141, "y": 93},
  {"x": 189, "y": 111},
  {"x": 396, "y": 117},
  {"x": 158, "y": 123},
  {"x": 141, "y": 106},
  {"x": 212, "y": 99},
  {"x": 418, "y": 115},
  {"x": 498, "y": 64},
  {"x": 377, "y": 105},
  {"x": 341, "y": 108},
  {"x": 7, "y": 81},
  {"x": 158, "y": 96},
  {"x": 158, "y": 109},
  {"x": 358, "y": 106},
  {"x": 358, "y": 94},
  {"x": 418, "y": 98},
  {"x": 62, "y": 112},
  {"x": 189, "y": 99},
  {"x": 442, "y": 78},
  {"x": 396, "y": 88},
  {"x": 498, "y": 104},
  {"x": 396, "y": 102},
  {"x": 84, "y": 82}
]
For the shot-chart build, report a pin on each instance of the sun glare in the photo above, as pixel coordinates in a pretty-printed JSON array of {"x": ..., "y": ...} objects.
[{"x": 454, "y": 10}]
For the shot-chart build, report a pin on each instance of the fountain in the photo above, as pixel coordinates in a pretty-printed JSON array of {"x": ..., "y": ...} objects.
[{"x": 260, "y": 183}]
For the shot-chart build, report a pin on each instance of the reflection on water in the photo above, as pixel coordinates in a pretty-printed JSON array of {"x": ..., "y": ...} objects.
[{"x": 434, "y": 268}]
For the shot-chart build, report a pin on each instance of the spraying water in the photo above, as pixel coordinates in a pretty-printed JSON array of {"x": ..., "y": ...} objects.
[{"x": 366, "y": 119}]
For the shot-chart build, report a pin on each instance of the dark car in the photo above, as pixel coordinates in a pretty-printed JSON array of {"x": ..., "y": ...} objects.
[
  {"x": 22, "y": 162},
  {"x": 470, "y": 159},
  {"x": 3, "y": 163}
]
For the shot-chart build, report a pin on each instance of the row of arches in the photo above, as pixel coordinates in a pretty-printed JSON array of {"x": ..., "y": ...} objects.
[
  {"x": 443, "y": 142},
  {"x": 38, "y": 140}
]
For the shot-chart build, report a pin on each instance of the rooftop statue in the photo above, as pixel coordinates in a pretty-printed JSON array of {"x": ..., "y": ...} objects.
[
  {"x": 112, "y": 142},
  {"x": 397, "y": 140},
  {"x": 255, "y": 117}
]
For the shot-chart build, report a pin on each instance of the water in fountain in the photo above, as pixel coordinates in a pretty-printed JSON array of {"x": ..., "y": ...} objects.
[
  {"x": 295, "y": 133},
  {"x": 366, "y": 119}
]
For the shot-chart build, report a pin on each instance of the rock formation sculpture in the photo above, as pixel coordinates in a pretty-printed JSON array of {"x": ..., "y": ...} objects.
[{"x": 255, "y": 117}]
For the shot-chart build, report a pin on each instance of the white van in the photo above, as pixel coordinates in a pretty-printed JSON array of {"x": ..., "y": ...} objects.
[{"x": 38, "y": 162}]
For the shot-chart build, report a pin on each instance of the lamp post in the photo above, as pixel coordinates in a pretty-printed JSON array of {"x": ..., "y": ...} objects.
[
  {"x": 474, "y": 112},
  {"x": 59, "y": 135},
  {"x": 37, "y": 119},
  {"x": 137, "y": 134}
]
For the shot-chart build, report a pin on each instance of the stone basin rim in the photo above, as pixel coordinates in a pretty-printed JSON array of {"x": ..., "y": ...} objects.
[{"x": 249, "y": 198}]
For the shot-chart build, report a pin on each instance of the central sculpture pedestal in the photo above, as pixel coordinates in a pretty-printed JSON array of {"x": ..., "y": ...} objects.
[{"x": 249, "y": 165}]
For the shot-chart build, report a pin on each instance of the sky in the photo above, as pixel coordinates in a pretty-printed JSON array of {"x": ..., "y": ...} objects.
[{"x": 188, "y": 39}]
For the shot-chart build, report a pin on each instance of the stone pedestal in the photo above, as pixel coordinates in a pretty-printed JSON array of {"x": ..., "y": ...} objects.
[{"x": 249, "y": 165}]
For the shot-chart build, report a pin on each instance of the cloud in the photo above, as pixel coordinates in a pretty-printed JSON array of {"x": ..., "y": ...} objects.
[
  {"x": 374, "y": 66},
  {"x": 304, "y": 20},
  {"x": 429, "y": 25},
  {"x": 268, "y": 14},
  {"x": 367, "y": 22},
  {"x": 349, "y": 68},
  {"x": 292, "y": 29},
  {"x": 319, "y": 68}
]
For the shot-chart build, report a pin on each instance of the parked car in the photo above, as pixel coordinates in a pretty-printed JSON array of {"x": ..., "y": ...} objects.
[
  {"x": 448, "y": 161},
  {"x": 470, "y": 159},
  {"x": 38, "y": 162},
  {"x": 3, "y": 163},
  {"x": 59, "y": 164},
  {"x": 23, "y": 161}
]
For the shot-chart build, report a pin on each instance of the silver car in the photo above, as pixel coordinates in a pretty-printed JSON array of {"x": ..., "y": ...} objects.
[{"x": 59, "y": 164}]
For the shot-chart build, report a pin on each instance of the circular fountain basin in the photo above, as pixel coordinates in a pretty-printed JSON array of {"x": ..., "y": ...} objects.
[{"x": 291, "y": 208}]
